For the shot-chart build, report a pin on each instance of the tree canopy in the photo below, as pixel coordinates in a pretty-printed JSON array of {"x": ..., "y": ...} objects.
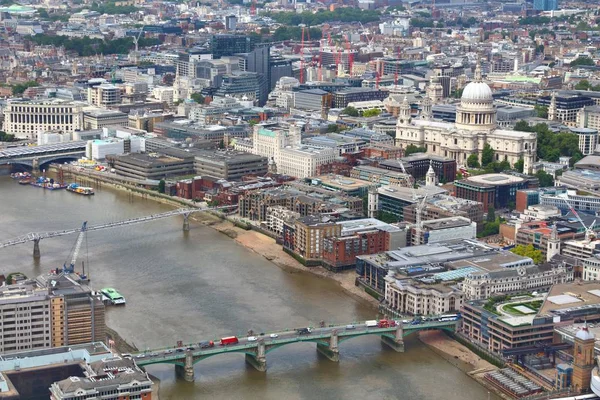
[
  {"x": 473, "y": 161},
  {"x": 351, "y": 111},
  {"x": 19, "y": 88},
  {"x": 197, "y": 97},
  {"x": 487, "y": 155},
  {"x": 294, "y": 33},
  {"x": 551, "y": 145},
  {"x": 582, "y": 61},
  {"x": 529, "y": 251},
  {"x": 346, "y": 14},
  {"x": 545, "y": 179},
  {"x": 519, "y": 165},
  {"x": 374, "y": 112},
  {"x": 584, "y": 84},
  {"x": 411, "y": 149},
  {"x": 89, "y": 47}
]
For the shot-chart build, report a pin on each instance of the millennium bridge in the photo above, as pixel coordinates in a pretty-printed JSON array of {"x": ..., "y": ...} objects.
[{"x": 256, "y": 348}]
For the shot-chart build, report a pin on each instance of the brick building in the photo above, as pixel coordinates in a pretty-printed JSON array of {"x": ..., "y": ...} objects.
[{"x": 493, "y": 190}]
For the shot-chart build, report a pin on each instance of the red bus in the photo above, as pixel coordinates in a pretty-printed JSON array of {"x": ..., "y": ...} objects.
[{"x": 229, "y": 340}]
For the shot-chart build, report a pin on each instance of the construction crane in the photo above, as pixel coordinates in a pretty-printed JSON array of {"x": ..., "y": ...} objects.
[
  {"x": 349, "y": 55},
  {"x": 253, "y": 8},
  {"x": 69, "y": 269},
  {"x": 589, "y": 230},
  {"x": 302, "y": 54},
  {"x": 136, "y": 39},
  {"x": 411, "y": 181}
]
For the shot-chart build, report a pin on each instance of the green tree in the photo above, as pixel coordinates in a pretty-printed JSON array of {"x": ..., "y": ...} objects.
[
  {"x": 222, "y": 144},
  {"x": 545, "y": 179},
  {"x": 473, "y": 161},
  {"x": 374, "y": 112},
  {"x": 332, "y": 128},
  {"x": 161, "y": 186},
  {"x": 541, "y": 111},
  {"x": 411, "y": 149},
  {"x": 529, "y": 251},
  {"x": 583, "y": 84},
  {"x": 43, "y": 13},
  {"x": 5, "y": 137},
  {"x": 19, "y": 88},
  {"x": 350, "y": 111},
  {"x": 523, "y": 126},
  {"x": 197, "y": 97},
  {"x": 519, "y": 165},
  {"x": 490, "y": 228},
  {"x": 387, "y": 217},
  {"x": 491, "y": 214},
  {"x": 582, "y": 61},
  {"x": 487, "y": 155}
]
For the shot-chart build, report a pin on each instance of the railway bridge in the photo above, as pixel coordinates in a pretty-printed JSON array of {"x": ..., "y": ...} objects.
[
  {"x": 255, "y": 349},
  {"x": 36, "y": 157}
]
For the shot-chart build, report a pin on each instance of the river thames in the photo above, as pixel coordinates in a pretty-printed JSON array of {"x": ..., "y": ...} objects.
[{"x": 202, "y": 285}]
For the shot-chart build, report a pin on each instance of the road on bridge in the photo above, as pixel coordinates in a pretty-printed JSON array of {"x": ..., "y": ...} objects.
[{"x": 279, "y": 338}]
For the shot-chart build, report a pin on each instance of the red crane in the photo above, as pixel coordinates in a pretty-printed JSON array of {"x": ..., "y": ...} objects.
[
  {"x": 396, "y": 69},
  {"x": 253, "y": 8},
  {"x": 302, "y": 55}
]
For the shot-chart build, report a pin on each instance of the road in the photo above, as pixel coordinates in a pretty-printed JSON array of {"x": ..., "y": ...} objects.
[{"x": 285, "y": 337}]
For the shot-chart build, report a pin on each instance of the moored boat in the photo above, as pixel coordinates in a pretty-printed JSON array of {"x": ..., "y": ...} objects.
[{"x": 75, "y": 188}]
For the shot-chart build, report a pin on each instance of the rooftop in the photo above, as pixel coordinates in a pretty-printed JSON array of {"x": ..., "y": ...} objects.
[{"x": 494, "y": 179}]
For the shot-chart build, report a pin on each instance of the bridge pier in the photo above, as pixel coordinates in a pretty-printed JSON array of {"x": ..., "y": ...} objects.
[
  {"x": 186, "y": 222},
  {"x": 332, "y": 352},
  {"x": 397, "y": 343},
  {"x": 258, "y": 361},
  {"x": 36, "y": 248},
  {"x": 186, "y": 372}
]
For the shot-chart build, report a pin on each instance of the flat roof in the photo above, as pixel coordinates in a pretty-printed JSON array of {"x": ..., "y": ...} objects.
[
  {"x": 573, "y": 294},
  {"x": 495, "y": 179}
]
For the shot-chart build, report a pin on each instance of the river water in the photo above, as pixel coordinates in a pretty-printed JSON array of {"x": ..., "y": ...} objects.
[{"x": 202, "y": 285}]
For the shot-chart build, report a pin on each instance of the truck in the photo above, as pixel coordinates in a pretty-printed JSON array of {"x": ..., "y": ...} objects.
[
  {"x": 205, "y": 344},
  {"x": 303, "y": 331},
  {"x": 384, "y": 323},
  {"x": 229, "y": 340},
  {"x": 371, "y": 324}
]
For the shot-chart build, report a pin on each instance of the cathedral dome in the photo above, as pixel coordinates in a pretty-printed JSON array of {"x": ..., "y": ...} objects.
[{"x": 477, "y": 92}]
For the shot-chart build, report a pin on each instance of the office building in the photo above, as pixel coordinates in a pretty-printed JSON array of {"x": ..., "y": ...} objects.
[
  {"x": 342, "y": 97},
  {"x": 524, "y": 279},
  {"x": 246, "y": 86},
  {"x": 394, "y": 199},
  {"x": 312, "y": 100},
  {"x": 417, "y": 165},
  {"x": 165, "y": 163},
  {"x": 545, "y": 5},
  {"x": 492, "y": 190},
  {"x": 580, "y": 179},
  {"x": 28, "y": 119},
  {"x": 100, "y": 118},
  {"x": 259, "y": 61},
  {"x": 589, "y": 117},
  {"x": 413, "y": 297},
  {"x": 279, "y": 67},
  {"x": 445, "y": 206},
  {"x": 52, "y": 311},
  {"x": 563, "y": 198},
  {"x": 229, "y": 45},
  {"x": 228, "y": 164},
  {"x": 104, "y": 95},
  {"x": 442, "y": 230},
  {"x": 286, "y": 154},
  {"x": 565, "y": 107},
  {"x": 380, "y": 176},
  {"x": 588, "y": 139},
  {"x": 230, "y": 22}
]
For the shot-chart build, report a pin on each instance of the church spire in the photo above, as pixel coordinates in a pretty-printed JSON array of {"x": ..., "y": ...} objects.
[
  {"x": 430, "y": 176},
  {"x": 426, "y": 108}
]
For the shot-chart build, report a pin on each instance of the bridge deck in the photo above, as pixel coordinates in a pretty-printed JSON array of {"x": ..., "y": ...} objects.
[{"x": 173, "y": 356}]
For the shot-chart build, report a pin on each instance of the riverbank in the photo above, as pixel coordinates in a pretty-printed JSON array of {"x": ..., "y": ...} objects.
[{"x": 273, "y": 252}]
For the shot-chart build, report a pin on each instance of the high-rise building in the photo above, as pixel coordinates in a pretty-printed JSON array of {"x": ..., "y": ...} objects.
[
  {"x": 278, "y": 68},
  {"x": 259, "y": 61},
  {"x": 249, "y": 86},
  {"x": 228, "y": 45},
  {"x": 545, "y": 5},
  {"x": 52, "y": 311},
  {"x": 231, "y": 22}
]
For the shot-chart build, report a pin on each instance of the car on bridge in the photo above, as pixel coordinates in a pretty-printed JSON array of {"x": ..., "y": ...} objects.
[
  {"x": 273, "y": 335},
  {"x": 252, "y": 338},
  {"x": 350, "y": 327},
  {"x": 304, "y": 331},
  {"x": 206, "y": 344}
]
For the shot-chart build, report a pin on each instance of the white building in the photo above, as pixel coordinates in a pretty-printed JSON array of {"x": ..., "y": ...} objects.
[
  {"x": 276, "y": 216},
  {"x": 285, "y": 152},
  {"x": 104, "y": 95},
  {"x": 443, "y": 229},
  {"x": 540, "y": 212},
  {"x": 591, "y": 269},
  {"x": 53, "y": 138},
  {"x": 28, "y": 119},
  {"x": 99, "y": 149},
  {"x": 164, "y": 94},
  {"x": 408, "y": 296},
  {"x": 481, "y": 285},
  {"x": 474, "y": 128}
]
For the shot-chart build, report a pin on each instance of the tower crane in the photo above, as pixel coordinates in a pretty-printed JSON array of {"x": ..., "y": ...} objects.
[
  {"x": 137, "y": 38},
  {"x": 589, "y": 230},
  {"x": 71, "y": 267}
]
